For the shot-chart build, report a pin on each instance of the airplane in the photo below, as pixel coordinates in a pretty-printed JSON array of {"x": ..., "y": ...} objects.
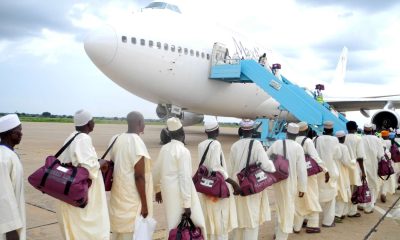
[{"x": 164, "y": 56}]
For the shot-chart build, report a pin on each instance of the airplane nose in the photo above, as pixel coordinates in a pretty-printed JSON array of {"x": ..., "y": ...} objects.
[{"x": 101, "y": 45}]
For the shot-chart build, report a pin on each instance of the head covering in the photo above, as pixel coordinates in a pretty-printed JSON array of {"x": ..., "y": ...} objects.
[
  {"x": 302, "y": 126},
  {"x": 328, "y": 124},
  {"x": 351, "y": 125},
  {"x": 293, "y": 128},
  {"x": 385, "y": 133},
  {"x": 398, "y": 131},
  {"x": 82, "y": 117},
  {"x": 392, "y": 135},
  {"x": 211, "y": 126},
  {"x": 9, "y": 122},
  {"x": 340, "y": 134},
  {"x": 174, "y": 124},
  {"x": 368, "y": 126},
  {"x": 247, "y": 124},
  {"x": 373, "y": 127}
]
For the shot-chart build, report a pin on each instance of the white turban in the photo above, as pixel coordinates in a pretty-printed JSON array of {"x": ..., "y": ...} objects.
[
  {"x": 247, "y": 124},
  {"x": 340, "y": 133},
  {"x": 9, "y": 122},
  {"x": 293, "y": 128},
  {"x": 211, "y": 126},
  {"x": 328, "y": 124},
  {"x": 82, "y": 117},
  {"x": 368, "y": 125},
  {"x": 302, "y": 126},
  {"x": 173, "y": 124}
]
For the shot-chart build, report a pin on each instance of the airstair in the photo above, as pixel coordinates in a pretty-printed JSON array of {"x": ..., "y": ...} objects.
[{"x": 292, "y": 98}]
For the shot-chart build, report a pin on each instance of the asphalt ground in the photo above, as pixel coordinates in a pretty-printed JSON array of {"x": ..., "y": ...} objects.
[{"x": 43, "y": 139}]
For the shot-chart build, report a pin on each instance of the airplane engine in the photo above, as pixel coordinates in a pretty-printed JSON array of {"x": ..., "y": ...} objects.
[
  {"x": 189, "y": 118},
  {"x": 385, "y": 119}
]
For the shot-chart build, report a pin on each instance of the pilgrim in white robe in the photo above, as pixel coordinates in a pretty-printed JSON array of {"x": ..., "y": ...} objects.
[
  {"x": 172, "y": 176},
  {"x": 92, "y": 221},
  {"x": 388, "y": 186},
  {"x": 252, "y": 210},
  {"x": 12, "y": 200},
  {"x": 219, "y": 213},
  {"x": 125, "y": 205},
  {"x": 309, "y": 206},
  {"x": 287, "y": 191},
  {"x": 374, "y": 152},
  {"x": 329, "y": 151},
  {"x": 344, "y": 193}
]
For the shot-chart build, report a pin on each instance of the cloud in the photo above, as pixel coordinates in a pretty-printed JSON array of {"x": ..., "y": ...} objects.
[{"x": 364, "y": 5}]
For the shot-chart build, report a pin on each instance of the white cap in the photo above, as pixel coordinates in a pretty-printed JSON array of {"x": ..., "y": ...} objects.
[
  {"x": 328, "y": 124},
  {"x": 293, "y": 128},
  {"x": 373, "y": 127},
  {"x": 82, "y": 117},
  {"x": 211, "y": 126},
  {"x": 9, "y": 122},
  {"x": 398, "y": 131},
  {"x": 247, "y": 124},
  {"x": 302, "y": 126},
  {"x": 174, "y": 124},
  {"x": 340, "y": 133},
  {"x": 368, "y": 125}
]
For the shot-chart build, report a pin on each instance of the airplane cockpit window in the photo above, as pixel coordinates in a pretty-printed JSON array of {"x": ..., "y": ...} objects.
[
  {"x": 133, "y": 40},
  {"x": 124, "y": 39},
  {"x": 164, "y": 5}
]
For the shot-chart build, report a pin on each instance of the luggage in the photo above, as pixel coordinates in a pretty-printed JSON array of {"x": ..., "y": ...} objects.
[
  {"x": 62, "y": 181},
  {"x": 281, "y": 166},
  {"x": 211, "y": 184},
  {"x": 186, "y": 230},
  {"x": 394, "y": 151},
  {"x": 253, "y": 179},
  {"x": 108, "y": 175},
  {"x": 311, "y": 165},
  {"x": 385, "y": 168},
  {"x": 362, "y": 194}
]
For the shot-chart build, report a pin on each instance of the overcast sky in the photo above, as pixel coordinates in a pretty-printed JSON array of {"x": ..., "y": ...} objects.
[{"x": 44, "y": 67}]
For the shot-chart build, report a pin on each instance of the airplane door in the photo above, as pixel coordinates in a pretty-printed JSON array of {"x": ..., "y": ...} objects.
[{"x": 219, "y": 54}]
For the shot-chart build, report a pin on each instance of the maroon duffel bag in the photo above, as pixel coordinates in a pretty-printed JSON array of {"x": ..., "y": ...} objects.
[{"x": 62, "y": 181}]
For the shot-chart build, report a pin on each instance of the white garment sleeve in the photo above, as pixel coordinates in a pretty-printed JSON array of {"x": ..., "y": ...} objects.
[
  {"x": 262, "y": 157},
  {"x": 346, "y": 159},
  {"x": 156, "y": 171},
  {"x": 301, "y": 170},
  {"x": 310, "y": 150},
  {"x": 184, "y": 162}
]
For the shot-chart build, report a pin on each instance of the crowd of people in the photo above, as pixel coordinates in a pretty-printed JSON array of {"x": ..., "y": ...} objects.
[{"x": 346, "y": 160}]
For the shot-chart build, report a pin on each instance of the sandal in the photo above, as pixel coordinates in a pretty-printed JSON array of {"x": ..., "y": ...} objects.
[
  {"x": 328, "y": 226},
  {"x": 355, "y": 215},
  {"x": 313, "y": 230},
  {"x": 369, "y": 212},
  {"x": 338, "y": 219}
]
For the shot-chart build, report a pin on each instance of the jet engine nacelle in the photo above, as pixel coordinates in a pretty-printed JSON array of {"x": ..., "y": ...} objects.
[
  {"x": 187, "y": 118},
  {"x": 385, "y": 119}
]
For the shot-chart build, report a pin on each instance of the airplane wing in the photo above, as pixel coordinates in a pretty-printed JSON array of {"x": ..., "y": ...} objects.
[{"x": 368, "y": 103}]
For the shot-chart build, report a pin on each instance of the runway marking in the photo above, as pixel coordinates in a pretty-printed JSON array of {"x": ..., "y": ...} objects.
[{"x": 382, "y": 211}]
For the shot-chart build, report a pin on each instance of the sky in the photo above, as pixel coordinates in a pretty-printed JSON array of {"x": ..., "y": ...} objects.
[{"x": 44, "y": 68}]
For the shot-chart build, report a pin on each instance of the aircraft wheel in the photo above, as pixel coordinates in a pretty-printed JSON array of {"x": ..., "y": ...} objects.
[{"x": 164, "y": 137}]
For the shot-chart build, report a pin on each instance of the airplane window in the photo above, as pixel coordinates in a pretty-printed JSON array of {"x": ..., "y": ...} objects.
[
  {"x": 173, "y": 48},
  {"x": 202, "y": 55},
  {"x": 165, "y": 46},
  {"x": 179, "y": 49},
  {"x": 208, "y": 56},
  {"x": 151, "y": 43},
  {"x": 124, "y": 38},
  {"x": 191, "y": 52},
  {"x": 142, "y": 42},
  {"x": 186, "y": 51},
  {"x": 197, "y": 54},
  {"x": 158, "y": 45}
]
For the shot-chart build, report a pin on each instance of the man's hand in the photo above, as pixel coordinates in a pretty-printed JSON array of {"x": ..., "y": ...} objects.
[
  {"x": 301, "y": 194},
  {"x": 327, "y": 177},
  {"x": 158, "y": 197},
  {"x": 144, "y": 211},
  {"x": 235, "y": 186},
  {"x": 187, "y": 213},
  {"x": 13, "y": 235},
  {"x": 103, "y": 165}
]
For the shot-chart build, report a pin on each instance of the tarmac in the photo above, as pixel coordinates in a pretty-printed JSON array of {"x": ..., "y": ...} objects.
[{"x": 43, "y": 139}]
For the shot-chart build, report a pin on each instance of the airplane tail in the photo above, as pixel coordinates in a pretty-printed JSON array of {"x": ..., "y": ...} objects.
[{"x": 340, "y": 72}]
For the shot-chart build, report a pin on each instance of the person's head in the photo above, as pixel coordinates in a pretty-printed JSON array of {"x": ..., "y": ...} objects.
[
  {"x": 83, "y": 121},
  {"x": 211, "y": 129},
  {"x": 10, "y": 130},
  {"x": 303, "y": 128},
  {"x": 135, "y": 122},
  {"x": 385, "y": 134},
  {"x": 175, "y": 129},
  {"x": 328, "y": 128},
  {"x": 351, "y": 126},
  {"x": 341, "y": 135},
  {"x": 368, "y": 129},
  {"x": 292, "y": 131},
  {"x": 247, "y": 127}
]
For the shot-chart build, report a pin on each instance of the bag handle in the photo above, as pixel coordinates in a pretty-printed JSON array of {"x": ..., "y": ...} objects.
[
  {"x": 304, "y": 140},
  {"x": 249, "y": 154},
  {"x": 65, "y": 146},
  {"x": 315, "y": 141},
  {"x": 203, "y": 158},
  {"x": 284, "y": 148},
  {"x": 109, "y": 148}
]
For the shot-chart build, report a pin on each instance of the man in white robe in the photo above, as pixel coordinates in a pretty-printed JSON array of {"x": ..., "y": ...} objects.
[
  {"x": 12, "y": 200},
  {"x": 328, "y": 149},
  {"x": 308, "y": 206},
  {"x": 219, "y": 213},
  {"x": 344, "y": 164},
  {"x": 389, "y": 185},
  {"x": 132, "y": 189},
  {"x": 172, "y": 175},
  {"x": 91, "y": 222},
  {"x": 286, "y": 191},
  {"x": 252, "y": 210},
  {"x": 373, "y": 152}
]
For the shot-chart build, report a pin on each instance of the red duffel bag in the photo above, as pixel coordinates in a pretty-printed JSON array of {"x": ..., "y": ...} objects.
[
  {"x": 281, "y": 166},
  {"x": 394, "y": 151},
  {"x": 62, "y": 181},
  {"x": 186, "y": 230},
  {"x": 108, "y": 176},
  {"x": 311, "y": 165}
]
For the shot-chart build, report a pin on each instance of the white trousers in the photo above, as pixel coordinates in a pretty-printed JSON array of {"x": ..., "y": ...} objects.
[
  {"x": 341, "y": 208},
  {"x": 313, "y": 221},
  {"x": 122, "y": 236},
  {"x": 352, "y": 208},
  {"x": 217, "y": 237},
  {"x": 279, "y": 234},
  {"x": 389, "y": 186},
  {"x": 245, "y": 233},
  {"x": 328, "y": 209}
]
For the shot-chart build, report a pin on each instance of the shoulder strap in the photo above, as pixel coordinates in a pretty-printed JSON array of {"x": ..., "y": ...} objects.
[
  {"x": 304, "y": 140},
  {"x": 65, "y": 146},
  {"x": 284, "y": 148},
  {"x": 203, "y": 158},
  {"x": 109, "y": 148},
  {"x": 315, "y": 141},
  {"x": 249, "y": 154}
]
